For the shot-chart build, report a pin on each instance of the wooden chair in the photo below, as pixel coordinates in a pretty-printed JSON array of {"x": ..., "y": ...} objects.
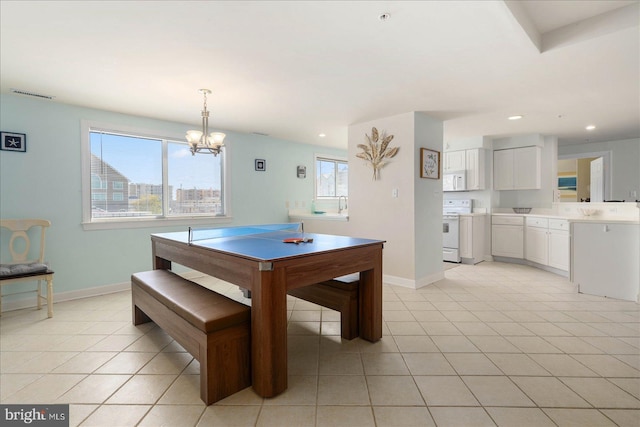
[{"x": 21, "y": 268}]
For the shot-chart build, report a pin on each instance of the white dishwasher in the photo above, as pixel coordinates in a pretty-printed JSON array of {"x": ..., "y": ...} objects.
[{"x": 606, "y": 259}]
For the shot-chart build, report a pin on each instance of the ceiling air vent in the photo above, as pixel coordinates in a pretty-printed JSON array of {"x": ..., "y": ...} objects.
[{"x": 37, "y": 95}]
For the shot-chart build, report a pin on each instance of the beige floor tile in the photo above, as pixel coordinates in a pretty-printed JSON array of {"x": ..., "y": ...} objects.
[
  {"x": 623, "y": 417},
  {"x": 402, "y": 417},
  {"x": 93, "y": 389},
  {"x": 578, "y": 418},
  {"x": 428, "y": 364},
  {"x": 185, "y": 390},
  {"x": 533, "y": 345},
  {"x": 460, "y": 316},
  {"x": 44, "y": 363},
  {"x": 393, "y": 391},
  {"x": 415, "y": 344},
  {"x": 305, "y": 316},
  {"x": 330, "y": 328},
  {"x": 342, "y": 390},
  {"x": 114, "y": 343},
  {"x": 440, "y": 328},
  {"x": 496, "y": 391},
  {"x": 429, "y": 316},
  {"x": 549, "y": 392},
  {"x": 384, "y": 364},
  {"x": 397, "y": 316},
  {"x": 472, "y": 364},
  {"x": 167, "y": 363},
  {"x": 461, "y": 417},
  {"x": 78, "y": 413},
  {"x": 330, "y": 416},
  {"x": 301, "y": 390},
  {"x": 445, "y": 391},
  {"x": 601, "y": 393},
  {"x": 405, "y": 328},
  {"x": 303, "y": 328},
  {"x": 78, "y": 343},
  {"x": 278, "y": 416},
  {"x": 142, "y": 389},
  {"x": 517, "y": 364},
  {"x": 520, "y": 417},
  {"x": 11, "y": 383},
  {"x": 176, "y": 415},
  {"x": 228, "y": 416},
  {"x": 125, "y": 363},
  {"x": 153, "y": 342},
  {"x": 85, "y": 363},
  {"x": 612, "y": 345},
  {"x": 630, "y": 385},
  {"x": 493, "y": 344},
  {"x": 116, "y": 415},
  {"x": 562, "y": 365},
  {"x": 454, "y": 344},
  {"x": 340, "y": 364},
  {"x": 545, "y": 329},
  {"x": 474, "y": 328},
  {"x": 607, "y": 366},
  {"x": 573, "y": 345},
  {"x": 46, "y": 389}
]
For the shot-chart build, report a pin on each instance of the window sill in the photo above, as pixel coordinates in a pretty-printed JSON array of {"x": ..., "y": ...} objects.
[{"x": 117, "y": 224}]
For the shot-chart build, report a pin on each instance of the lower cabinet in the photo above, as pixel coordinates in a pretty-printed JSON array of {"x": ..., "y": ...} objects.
[
  {"x": 547, "y": 242},
  {"x": 472, "y": 238},
  {"x": 507, "y": 238}
]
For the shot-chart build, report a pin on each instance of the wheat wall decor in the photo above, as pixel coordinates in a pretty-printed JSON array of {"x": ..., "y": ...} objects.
[{"x": 377, "y": 150}]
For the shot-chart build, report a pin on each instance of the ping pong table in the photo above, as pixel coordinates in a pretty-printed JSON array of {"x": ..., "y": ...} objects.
[{"x": 257, "y": 258}]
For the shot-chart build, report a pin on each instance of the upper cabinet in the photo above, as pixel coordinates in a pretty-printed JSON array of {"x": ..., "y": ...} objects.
[
  {"x": 454, "y": 161},
  {"x": 517, "y": 168},
  {"x": 471, "y": 161}
]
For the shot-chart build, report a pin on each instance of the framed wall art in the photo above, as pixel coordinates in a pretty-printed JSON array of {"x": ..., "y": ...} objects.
[
  {"x": 10, "y": 141},
  {"x": 261, "y": 165},
  {"x": 429, "y": 163}
]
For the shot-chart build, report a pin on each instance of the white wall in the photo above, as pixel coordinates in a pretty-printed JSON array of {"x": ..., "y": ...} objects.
[
  {"x": 45, "y": 182},
  {"x": 411, "y": 223}
]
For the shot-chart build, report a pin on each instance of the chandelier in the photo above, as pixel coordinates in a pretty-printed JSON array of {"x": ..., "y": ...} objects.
[{"x": 202, "y": 141}]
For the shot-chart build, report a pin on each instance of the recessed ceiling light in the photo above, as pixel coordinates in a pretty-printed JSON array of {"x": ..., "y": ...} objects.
[
  {"x": 516, "y": 117},
  {"x": 590, "y": 127},
  {"x": 322, "y": 135}
]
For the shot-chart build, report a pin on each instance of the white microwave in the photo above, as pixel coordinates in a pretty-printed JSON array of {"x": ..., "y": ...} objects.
[{"x": 455, "y": 181}]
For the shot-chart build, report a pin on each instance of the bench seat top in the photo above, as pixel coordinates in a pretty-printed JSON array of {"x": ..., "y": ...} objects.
[{"x": 203, "y": 308}]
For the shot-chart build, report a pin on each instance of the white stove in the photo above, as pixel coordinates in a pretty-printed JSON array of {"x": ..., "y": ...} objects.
[{"x": 451, "y": 211}]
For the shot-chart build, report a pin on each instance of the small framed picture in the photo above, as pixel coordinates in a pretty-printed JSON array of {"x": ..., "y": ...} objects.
[
  {"x": 13, "y": 141},
  {"x": 261, "y": 165},
  {"x": 429, "y": 163}
]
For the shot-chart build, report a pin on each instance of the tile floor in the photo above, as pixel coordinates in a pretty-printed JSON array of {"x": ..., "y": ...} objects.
[{"x": 492, "y": 344}]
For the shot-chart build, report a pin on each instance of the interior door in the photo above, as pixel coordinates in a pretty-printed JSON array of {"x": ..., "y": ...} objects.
[{"x": 597, "y": 180}]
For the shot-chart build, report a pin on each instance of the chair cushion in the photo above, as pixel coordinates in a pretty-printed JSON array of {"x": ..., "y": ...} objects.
[{"x": 16, "y": 270}]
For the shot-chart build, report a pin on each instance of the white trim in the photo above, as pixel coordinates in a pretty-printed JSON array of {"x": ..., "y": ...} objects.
[{"x": 413, "y": 284}]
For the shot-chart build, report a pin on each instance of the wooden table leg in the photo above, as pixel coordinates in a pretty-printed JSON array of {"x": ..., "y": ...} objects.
[
  {"x": 269, "y": 332},
  {"x": 371, "y": 301}
]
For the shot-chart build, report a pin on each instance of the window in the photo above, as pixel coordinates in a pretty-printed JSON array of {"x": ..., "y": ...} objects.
[
  {"x": 132, "y": 176},
  {"x": 332, "y": 177}
]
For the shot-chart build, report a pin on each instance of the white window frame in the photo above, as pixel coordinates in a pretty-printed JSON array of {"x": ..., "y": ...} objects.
[
  {"x": 89, "y": 223},
  {"x": 330, "y": 157}
]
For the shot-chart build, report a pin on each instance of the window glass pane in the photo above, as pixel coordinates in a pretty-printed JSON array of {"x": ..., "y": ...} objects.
[
  {"x": 125, "y": 159},
  {"x": 195, "y": 185},
  {"x": 325, "y": 179},
  {"x": 342, "y": 179}
]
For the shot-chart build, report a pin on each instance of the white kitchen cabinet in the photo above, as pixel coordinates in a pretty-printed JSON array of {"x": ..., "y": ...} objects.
[
  {"x": 605, "y": 259},
  {"x": 547, "y": 242},
  {"x": 454, "y": 161},
  {"x": 559, "y": 244},
  {"x": 507, "y": 236},
  {"x": 472, "y": 232},
  {"x": 517, "y": 168},
  {"x": 475, "y": 169},
  {"x": 536, "y": 239}
]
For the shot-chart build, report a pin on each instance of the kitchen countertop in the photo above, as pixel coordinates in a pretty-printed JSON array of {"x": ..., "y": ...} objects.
[{"x": 581, "y": 218}]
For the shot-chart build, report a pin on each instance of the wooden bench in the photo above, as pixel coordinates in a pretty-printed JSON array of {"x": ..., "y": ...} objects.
[
  {"x": 340, "y": 294},
  {"x": 213, "y": 328}
]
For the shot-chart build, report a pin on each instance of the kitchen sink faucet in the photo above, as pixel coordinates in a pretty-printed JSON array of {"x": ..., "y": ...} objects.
[{"x": 340, "y": 208}]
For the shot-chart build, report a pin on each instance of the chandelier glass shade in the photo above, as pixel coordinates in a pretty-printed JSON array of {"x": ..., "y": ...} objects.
[{"x": 201, "y": 141}]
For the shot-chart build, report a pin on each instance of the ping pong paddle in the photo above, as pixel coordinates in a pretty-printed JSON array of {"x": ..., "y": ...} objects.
[{"x": 297, "y": 240}]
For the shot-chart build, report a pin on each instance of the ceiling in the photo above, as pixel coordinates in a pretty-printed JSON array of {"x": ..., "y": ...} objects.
[{"x": 294, "y": 70}]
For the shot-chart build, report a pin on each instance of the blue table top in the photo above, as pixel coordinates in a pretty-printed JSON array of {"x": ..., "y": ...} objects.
[{"x": 265, "y": 244}]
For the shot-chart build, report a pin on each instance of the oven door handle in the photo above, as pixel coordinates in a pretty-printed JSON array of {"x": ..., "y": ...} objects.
[{"x": 450, "y": 217}]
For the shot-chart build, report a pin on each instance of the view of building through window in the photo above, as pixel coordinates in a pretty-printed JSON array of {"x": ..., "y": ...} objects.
[
  {"x": 332, "y": 178},
  {"x": 130, "y": 179}
]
